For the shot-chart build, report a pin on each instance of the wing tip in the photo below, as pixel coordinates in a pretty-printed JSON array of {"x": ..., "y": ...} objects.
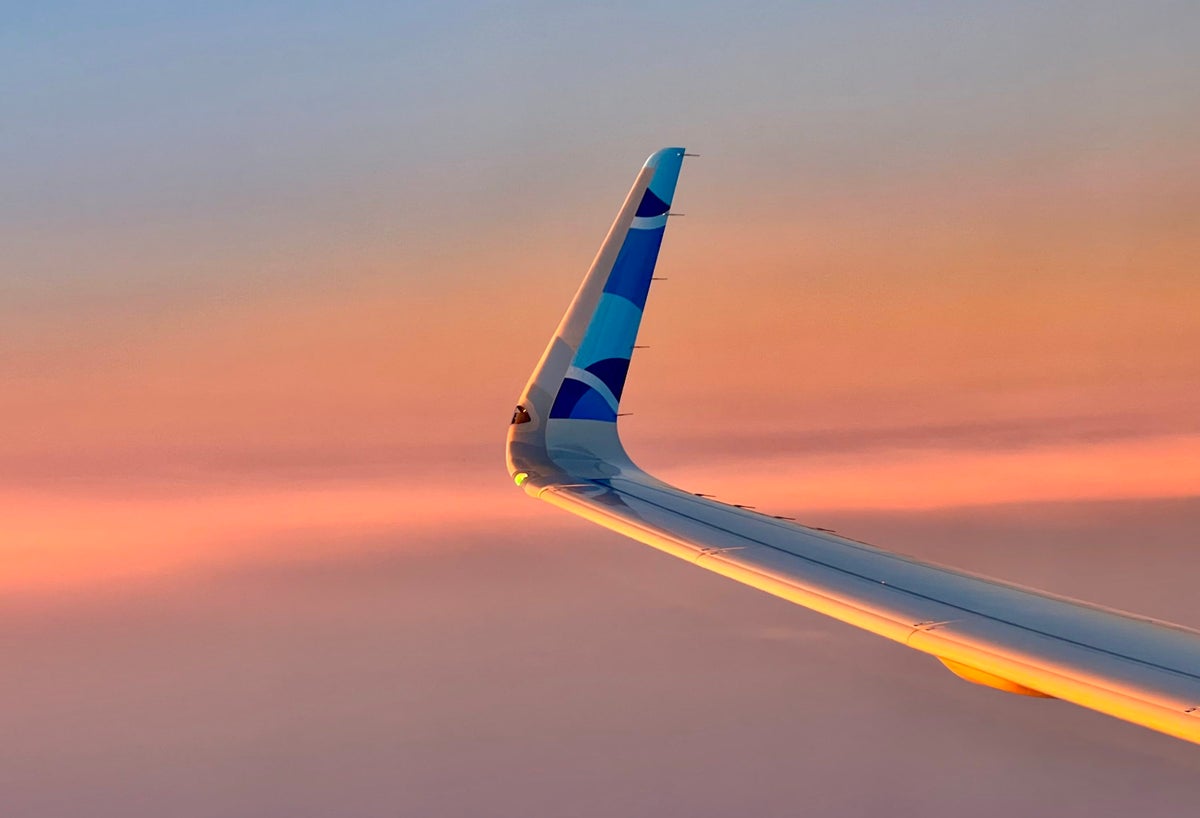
[{"x": 664, "y": 154}]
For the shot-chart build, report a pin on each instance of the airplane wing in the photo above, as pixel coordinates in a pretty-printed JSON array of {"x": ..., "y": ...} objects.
[{"x": 563, "y": 448}]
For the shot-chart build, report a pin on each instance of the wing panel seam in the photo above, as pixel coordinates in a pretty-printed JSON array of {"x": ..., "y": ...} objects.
[{"x": 915, "y": 594}]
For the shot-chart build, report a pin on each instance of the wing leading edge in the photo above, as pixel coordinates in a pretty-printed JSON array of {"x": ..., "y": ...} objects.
[{"x": 563, "y": 448}]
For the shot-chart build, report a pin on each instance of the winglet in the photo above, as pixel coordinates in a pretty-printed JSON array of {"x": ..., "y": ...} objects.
[{"x": 569, "y": 407}]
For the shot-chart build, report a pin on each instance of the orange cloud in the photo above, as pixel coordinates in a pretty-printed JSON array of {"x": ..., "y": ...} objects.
[
  {"x": 915, "y": 479},
  {"x": 54, "y": 540}
]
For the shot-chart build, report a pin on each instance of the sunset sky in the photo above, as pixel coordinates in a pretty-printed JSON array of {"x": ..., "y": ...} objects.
[{"x": 273, "y": 275}]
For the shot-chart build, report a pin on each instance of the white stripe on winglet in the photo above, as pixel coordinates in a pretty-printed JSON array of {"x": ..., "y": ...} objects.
[
  {"x": 594, "y": 382},
  {"x": 648, "y": 222}
]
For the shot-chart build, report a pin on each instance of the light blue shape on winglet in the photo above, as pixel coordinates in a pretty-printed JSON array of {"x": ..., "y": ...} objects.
[{"x": 611, "y": 333}]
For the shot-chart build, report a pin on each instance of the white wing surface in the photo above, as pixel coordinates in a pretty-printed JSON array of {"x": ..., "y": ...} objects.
[{"x": 563, "y": 448}]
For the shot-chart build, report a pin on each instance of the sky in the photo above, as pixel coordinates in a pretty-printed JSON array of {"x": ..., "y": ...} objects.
[{"x": 274, "y": 274}]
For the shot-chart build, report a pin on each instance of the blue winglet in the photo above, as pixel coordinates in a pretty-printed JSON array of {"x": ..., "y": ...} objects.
[
  {"x": 608, "y": 340},
  {"x": 572, "y": 398}
]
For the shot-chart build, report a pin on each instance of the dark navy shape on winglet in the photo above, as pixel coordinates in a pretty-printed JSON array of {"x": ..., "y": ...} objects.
[
  {"x": 592, "y": 406},
  {"x": 651, "y": 205},
  {"x": 578, "y": 401},
  {"x": 612, "y": 371},
  {"x": 569, "y": 394}
]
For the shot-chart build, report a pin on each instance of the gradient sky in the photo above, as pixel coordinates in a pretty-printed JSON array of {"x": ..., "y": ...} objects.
[{"x": 273, "y": 275}]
